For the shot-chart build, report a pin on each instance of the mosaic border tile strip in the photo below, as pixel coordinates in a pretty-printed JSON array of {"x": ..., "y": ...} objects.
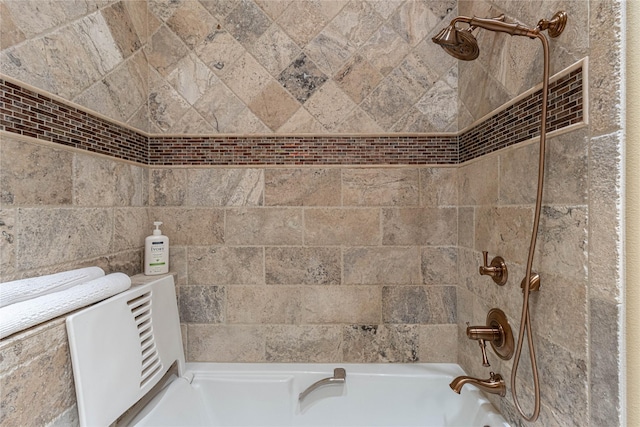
[
  {"x": 521, "y": 121},
  {"x": 26, "y": 112},
  {"x": 316, "y": 150}
]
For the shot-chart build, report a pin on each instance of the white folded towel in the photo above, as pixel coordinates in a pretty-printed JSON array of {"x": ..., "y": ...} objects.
[
  {"x": 23, "y": 315},
  {"x": 22, "y": 290}
]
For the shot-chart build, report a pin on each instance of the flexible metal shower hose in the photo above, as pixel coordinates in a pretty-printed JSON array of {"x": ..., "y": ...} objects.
[{"x": 525, "y": 319}]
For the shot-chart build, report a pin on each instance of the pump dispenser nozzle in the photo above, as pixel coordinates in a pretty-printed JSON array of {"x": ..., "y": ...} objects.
[{"x": 157, "y": 231}]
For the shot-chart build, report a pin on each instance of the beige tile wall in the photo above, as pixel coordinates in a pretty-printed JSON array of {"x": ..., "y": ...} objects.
[
  {"x": 298, "y": 210},
  {"x": 256, "y": 66},
  {"x": 36, "y": 384},
  {"x": 350, "y": 264},
  {"x": 275, "y": 265},
  {"x": 313, "y": 264},
  {"x": 499, "y": 221},
  {"x": 60, "y": 210},
  {"x": 109, "y": 72},
  {"x": 575, "y": 315}
]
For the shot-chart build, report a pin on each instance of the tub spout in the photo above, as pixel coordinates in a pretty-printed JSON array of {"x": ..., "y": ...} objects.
[
  {"x": 339, "y": 377},
  {"x": 494, "y": 385}
]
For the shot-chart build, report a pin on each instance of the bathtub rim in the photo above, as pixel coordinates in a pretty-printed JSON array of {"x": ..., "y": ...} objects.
[{"x": 199, "y": 373}]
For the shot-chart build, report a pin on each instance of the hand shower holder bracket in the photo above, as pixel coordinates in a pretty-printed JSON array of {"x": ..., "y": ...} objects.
[{"x": 534, "y": 282}]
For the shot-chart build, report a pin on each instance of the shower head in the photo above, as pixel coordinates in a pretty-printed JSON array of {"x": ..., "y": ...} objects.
[{"x": 461, "y": 44}]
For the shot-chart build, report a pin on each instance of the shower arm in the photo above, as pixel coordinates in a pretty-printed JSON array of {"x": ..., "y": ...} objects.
[
  {"x": 555, "y": 26},
  {"x": 497, "y": 25}
]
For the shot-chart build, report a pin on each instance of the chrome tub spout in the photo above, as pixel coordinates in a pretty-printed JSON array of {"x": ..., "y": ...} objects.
[{"x": 494, "y": 385}]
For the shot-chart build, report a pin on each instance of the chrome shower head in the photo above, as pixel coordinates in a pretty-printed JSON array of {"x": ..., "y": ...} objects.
[{"x": 460, "y": 44}]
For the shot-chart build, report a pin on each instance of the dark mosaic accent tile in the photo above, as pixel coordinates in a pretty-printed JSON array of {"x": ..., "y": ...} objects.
[
  {"x": 302, "y": 78},
  {"x": 521, "y": 121},
  {"x": 37, "y": 115},
  {"x": 301, "y": 150}
]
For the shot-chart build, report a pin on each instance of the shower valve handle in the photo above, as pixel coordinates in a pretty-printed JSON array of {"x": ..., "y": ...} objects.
[
  {"x": 496, "y": 270},
  {"x": 497, "y": 332},
  {"x": 482, "y": 334},
  {"x": 483, "y": 348}
]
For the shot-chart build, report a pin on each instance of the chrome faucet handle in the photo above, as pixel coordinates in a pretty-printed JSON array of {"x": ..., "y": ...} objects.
[{"x": 496, "y": 270}]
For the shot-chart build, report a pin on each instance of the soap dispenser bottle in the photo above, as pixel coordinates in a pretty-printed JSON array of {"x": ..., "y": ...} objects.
[{"x": 156, "y": 252}]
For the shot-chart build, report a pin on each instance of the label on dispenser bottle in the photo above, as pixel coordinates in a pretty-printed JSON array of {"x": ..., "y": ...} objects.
[
  {"x": 157, "y": 250},
  {"x": 157, "y": 258}
]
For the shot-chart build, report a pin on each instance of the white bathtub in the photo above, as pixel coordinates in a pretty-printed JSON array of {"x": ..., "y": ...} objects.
[
  {"x": 262, "y": 395},
  {"x": 129, "y": 368}
]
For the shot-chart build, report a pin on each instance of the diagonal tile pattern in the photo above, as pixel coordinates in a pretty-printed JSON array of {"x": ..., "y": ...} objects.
[
  {"x": 239, "y": 66},
  {"x": 336, "y": 60},
  {"x": 267, "y": 66}
]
